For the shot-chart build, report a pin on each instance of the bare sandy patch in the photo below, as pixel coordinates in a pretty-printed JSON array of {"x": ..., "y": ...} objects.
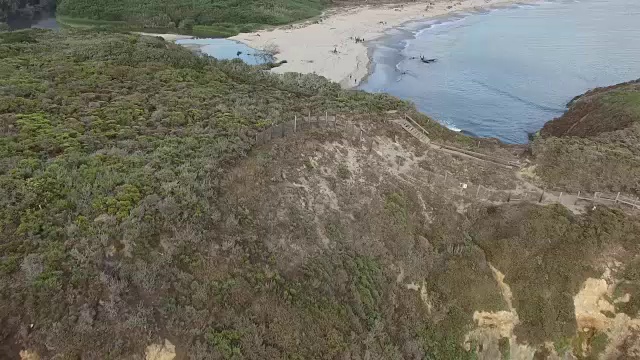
[{"x": 166, "y": 351}]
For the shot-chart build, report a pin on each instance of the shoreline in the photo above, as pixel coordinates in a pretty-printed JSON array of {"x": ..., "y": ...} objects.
[
  {"x": 326, "y": 47},
  {"x": 167, "y": 36}
]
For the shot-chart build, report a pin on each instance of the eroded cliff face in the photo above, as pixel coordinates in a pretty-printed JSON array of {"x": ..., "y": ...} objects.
[{"x": 602, "y": 330}]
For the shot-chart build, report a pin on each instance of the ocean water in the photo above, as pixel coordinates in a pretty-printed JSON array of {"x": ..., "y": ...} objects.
[
  {"x": 505, "y": 72},
  {"x": 225, "y": 49}
]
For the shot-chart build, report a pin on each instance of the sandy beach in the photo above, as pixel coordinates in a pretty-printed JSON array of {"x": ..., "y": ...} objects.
[{"x": 309, "y": 47}]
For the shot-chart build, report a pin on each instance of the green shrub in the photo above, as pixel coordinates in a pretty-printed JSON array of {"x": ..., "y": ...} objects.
[
  {"x": 343, "y": 172},
  {"x": 17, "y": 37},
  {"x": 396, "y": 205},
  {"x": 219, "y": 18},
  {"x": 226, "y": 342}
]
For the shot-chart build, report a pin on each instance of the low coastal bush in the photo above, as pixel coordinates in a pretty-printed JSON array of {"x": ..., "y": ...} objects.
[
  {"x": 595, "y": 145},
  {"x": 112, "y": 149},
  {"x": 219, "y": 18},
  {"x": 133, "y": 208}
]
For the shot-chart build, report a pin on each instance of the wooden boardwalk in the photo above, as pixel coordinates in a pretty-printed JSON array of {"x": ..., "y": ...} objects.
[
  {"x": 535, "y": 194},
  {"x": 417, "y": 131}
]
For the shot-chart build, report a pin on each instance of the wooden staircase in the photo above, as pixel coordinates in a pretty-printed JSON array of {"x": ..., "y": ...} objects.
[
  {"x": 413, "y": 128},
  {"x": 416, "y": 130}
]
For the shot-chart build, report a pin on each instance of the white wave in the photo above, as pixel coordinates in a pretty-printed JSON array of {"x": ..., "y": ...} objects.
[{"x": 452, "y": 127}]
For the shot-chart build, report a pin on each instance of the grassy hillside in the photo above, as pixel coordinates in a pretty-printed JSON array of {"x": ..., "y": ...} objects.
[
  {"x": 595, "y": 146},
  {"x": 212, "y": 18},
  {"x": 134, "y": 209},
  {"x": 598, "y": 111},
  {"x": 116, "y": 143}
]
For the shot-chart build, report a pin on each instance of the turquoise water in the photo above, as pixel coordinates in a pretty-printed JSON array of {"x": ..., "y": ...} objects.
[
  {"x": 505, "y": 72},
  {"x": 225, "y": 49}
]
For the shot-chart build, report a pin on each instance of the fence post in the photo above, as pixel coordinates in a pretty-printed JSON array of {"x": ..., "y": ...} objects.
[
  {"x": 326, "y": 118},
  {"x": 295, "y": 123},
  {"x": 560, "y": 198},
  {"x": 617, "y": 196},
  {"x": 541, "y": 196}
]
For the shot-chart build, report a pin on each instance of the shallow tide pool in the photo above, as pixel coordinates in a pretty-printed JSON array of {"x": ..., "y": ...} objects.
[{"x": 225, "y": 49}]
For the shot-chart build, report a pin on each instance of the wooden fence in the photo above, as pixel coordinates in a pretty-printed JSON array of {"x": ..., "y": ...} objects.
[
  {"x": 301, "y": 124},
  {"x": 618, "y": 198},
  {"x": 480, "y": 192},
  {"x": 446, "y": 180}
]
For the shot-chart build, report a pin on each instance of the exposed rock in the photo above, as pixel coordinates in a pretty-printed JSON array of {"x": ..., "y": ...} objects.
[{"x": 29, "y": 355}]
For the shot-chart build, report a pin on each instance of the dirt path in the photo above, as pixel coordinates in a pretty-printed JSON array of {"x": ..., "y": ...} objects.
[{"x": 573, "y": 202}]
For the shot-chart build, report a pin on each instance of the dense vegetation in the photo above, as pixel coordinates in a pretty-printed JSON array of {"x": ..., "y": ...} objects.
[
  {"x": 595, "y": 146},
  {"x": 598, "y": 111},
  {"x": 547, "y": 253},
  {"x": 212, "y": 18},
  {"x": 112, "y": 148},
  {"x": 133, "y": 209}
]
